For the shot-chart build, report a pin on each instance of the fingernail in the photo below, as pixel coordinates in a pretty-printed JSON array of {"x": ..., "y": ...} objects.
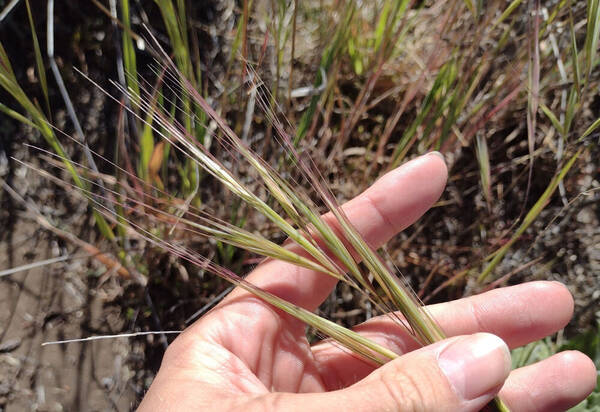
[
  {"x": 438, "y": 154},
  {"x": 475, "y": 365}
]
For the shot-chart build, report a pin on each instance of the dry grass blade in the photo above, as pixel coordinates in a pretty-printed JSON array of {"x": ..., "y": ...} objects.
[
  {"x": 8, "y": 8},
  {"x": 17, "y": 269},
  {"x": 483, "y": 159},
  {"x": 533, "y": 90}
]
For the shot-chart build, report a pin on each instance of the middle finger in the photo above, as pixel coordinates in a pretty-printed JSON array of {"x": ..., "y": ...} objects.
[{"x": 518, "y": 314}]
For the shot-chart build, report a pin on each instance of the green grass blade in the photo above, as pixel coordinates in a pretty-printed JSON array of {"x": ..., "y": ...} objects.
[
  {"x": 553, "y": 119},
  {"x": 129, "y": 56},
  {"x": 507, "y": 12},
  {"x": 146, "y": 147},
  {"x": 471, "y": 7},
  {"x": 39, "y": 61},
  {"x": 572, "y": 109},
  {"x": 444, "y": 78},
  {"x": 575, "y": 56},
  {"x": 382, "y": 24},
  {"x": 529, "y": 218},
  {"x": 592, "y": 34},
  {"x": 590, "y": 129},
  {"x": 6, "y": 66},
  {"x": 330, "y": 53},
  {"x": 17, "y": 116}
]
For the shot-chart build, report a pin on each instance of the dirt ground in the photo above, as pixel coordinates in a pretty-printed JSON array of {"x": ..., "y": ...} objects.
[{"x": 57, "y": 302}]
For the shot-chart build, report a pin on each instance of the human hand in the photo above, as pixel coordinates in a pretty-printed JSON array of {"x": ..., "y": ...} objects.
[{"x": 247, "y": 355}]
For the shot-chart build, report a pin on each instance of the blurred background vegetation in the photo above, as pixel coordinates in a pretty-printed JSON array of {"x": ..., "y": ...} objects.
[{"x": 507, "y": 91}]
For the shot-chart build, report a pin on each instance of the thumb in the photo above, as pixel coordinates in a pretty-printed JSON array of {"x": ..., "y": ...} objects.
[{"x": 461, "y": 373}]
